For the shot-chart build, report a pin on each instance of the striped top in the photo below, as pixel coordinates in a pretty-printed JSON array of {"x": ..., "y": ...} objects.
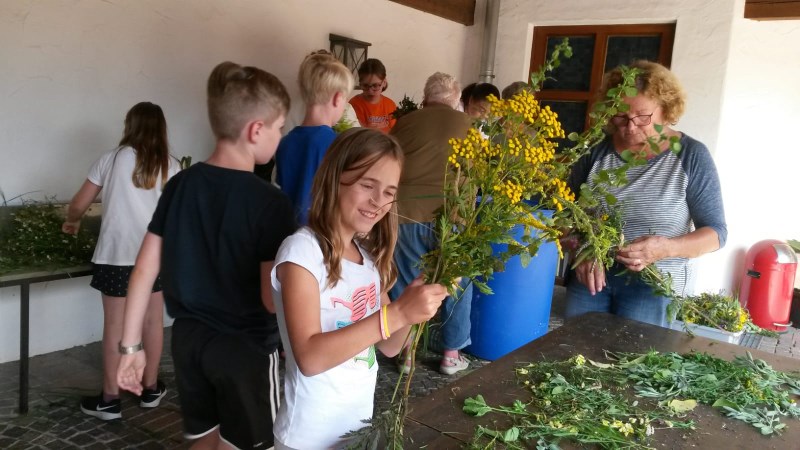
[{"x": 672, "y": 195}]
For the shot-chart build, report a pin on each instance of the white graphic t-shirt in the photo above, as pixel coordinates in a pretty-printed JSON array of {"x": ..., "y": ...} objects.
[{"x": 318, "y": 410}]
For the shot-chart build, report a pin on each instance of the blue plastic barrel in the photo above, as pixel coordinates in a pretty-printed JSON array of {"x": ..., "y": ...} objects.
[{"x": 518, "y": 311}]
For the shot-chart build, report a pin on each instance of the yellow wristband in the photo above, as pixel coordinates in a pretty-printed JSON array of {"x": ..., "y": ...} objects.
[{"x": 385, "y": 323}]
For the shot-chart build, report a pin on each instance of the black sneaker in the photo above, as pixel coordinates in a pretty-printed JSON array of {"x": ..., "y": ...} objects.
[
  {"x": 96, "y": 407},
  {"x": 151, "y": 398}
]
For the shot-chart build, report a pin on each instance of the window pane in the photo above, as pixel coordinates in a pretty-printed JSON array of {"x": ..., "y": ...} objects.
[
  {"x": 626, "y": 49},
  {"x": 572, "y": 116},
  {"x": 574, "y": 73}
]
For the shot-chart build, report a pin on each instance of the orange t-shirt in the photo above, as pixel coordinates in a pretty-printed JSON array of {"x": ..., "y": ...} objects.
[{"x": 377, "y": 116}]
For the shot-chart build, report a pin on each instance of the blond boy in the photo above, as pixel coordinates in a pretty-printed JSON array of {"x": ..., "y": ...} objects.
[{"x": 325, "y": 84}]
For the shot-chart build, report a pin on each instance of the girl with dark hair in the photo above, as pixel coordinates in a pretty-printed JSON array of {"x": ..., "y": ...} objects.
[{"x": 373, "y": 109}]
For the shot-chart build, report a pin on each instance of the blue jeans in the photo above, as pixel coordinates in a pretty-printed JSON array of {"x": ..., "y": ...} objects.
[
  {"x": 414, "y": 240},
  {"x": 624, "y": 295}
]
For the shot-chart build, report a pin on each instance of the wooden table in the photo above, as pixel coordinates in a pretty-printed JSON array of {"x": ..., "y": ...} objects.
[
  {"x": 24, "y": 280},
  {"x": 437, "y": 421}
]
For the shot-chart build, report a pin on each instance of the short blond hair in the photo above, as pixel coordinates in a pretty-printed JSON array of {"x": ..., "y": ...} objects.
[
  {"x": 321, "y": 76},
  {"x": 654, "y": 81},
  {"x": 442, "y": 88},
  {"x": 238, "y": 94}
]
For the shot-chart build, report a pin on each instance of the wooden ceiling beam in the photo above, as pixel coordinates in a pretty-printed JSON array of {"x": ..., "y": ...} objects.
[
  {"x": 461, "y": 11},
  {"x": 772, "y": 9}
]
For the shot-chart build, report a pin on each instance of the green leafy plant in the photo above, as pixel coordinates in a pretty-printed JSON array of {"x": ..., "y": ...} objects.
[
  {"x": 720, "y": 311},
  {"x": 623, "y": 403},
  {"x": 342, "y": 125},
  {"x": 714, "y": 310},
  {"x": 406, "y": 105},
  {"x": 33, "y": 240}
]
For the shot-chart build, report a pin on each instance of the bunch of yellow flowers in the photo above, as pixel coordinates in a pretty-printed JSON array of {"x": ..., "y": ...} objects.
[{"x": 500, "y": 176}]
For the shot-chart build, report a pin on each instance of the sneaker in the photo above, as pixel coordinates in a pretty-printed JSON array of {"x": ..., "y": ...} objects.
[
  {"x": 96, "y": 407},
  {"x": 449, "y": 365},
  {"x": 151, "y": 398}
]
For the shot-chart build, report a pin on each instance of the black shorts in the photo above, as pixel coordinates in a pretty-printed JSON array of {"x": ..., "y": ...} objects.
[
  {"x": 224, "y": 380},
  {"x": 113, "y": 280}
]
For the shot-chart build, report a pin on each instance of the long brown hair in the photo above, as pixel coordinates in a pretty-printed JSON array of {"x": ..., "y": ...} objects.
[
  {"x": 355, "y": 150},
  {"x": 146, "y": 132}
]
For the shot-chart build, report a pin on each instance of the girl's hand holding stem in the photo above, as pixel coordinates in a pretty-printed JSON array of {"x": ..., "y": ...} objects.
[{"x": 419, "y": 302}]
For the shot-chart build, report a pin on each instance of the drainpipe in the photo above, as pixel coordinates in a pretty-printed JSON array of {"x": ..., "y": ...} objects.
[{"x": 489, "y": 41}]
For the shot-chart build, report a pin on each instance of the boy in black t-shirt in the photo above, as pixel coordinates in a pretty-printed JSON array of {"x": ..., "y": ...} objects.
[{"x": 214, "y": 236}]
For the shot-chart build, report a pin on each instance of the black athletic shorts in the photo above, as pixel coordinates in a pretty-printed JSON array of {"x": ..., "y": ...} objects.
[{"x": 227, "y": 382}]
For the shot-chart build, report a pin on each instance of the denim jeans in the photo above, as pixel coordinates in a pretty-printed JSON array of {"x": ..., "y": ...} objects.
[
  {"x": 624, "y": 295},
  {"x": 414, "y": 240}
]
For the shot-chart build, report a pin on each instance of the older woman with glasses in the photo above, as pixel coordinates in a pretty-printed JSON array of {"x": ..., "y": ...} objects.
[{"x": 671, "y": 206}]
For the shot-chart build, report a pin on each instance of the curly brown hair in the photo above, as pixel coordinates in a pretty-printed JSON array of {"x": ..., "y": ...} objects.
[{"x": 654, "y": 81}]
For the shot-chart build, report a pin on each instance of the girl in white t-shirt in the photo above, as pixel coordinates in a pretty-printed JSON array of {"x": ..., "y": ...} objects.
[
  {"x": 329, "y": 286},
  {"x": 130, "y": 179}
]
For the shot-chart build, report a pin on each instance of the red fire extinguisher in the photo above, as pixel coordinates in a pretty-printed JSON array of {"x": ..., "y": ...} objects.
[{"x": 768, "y": 282}]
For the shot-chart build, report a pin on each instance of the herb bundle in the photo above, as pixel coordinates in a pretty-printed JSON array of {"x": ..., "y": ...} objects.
[{"x": 586, "y": 402}]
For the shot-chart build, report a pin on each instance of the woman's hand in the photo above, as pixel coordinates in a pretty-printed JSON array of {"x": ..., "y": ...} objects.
[
  {"x": 592, "y": 275},
  {"x": 419, "y": 302},
  {"x": 643, "y": 251}
]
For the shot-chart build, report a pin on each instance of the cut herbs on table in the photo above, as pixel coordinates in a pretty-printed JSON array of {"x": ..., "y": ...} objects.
[
  {"x": 33, "y": 239},
  {"x": 586, "y": 401}
]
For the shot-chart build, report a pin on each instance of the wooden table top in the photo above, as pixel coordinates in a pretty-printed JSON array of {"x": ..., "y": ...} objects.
[{"x": 437, "y": 421}]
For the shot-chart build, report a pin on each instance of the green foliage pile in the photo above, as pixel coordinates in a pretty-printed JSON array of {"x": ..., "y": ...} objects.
[
  {"x": 589, "y": 402},
  {"x": 33, "y": 240}
]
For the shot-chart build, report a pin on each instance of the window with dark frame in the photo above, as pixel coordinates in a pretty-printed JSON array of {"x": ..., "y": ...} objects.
[{"x": 596, "y": 49}]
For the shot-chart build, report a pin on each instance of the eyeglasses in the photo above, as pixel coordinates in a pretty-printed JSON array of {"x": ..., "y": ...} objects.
[
  {"x": 368, "y": 87},
  {"x": 640, "y": 120}
]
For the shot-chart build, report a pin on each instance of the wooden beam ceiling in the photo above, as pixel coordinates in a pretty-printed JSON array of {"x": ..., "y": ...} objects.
[
  {"x": 772, "y": 9},
  {"x": 461, "y": 11}
]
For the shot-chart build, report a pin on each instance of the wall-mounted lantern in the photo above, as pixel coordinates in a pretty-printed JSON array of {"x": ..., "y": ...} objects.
[{"x": 350, "y": 52}]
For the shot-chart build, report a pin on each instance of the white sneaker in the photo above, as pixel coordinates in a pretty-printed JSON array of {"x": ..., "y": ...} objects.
[{"x": 450, "y": 366}]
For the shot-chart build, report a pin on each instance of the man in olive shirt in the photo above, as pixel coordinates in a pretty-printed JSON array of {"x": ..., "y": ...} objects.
[{"x": 424, "y": 136}]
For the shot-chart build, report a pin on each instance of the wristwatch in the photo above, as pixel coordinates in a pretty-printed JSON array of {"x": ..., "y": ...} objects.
[{"x": 129, "y": 350}]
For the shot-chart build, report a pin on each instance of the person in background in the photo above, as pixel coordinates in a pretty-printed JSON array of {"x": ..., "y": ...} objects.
[
  {"x": 373, "y": 109},
  {"x": 672, "y": 210},
  {"x": 213, "y": 236},
  {"x": 325, "y": 84},
  {"x": 329, "y": 285},
  {"x": 475, "y": 99},
  {"x": 423, "y": 135},
  {"x": 130, "y": 179},
  {"x": 514, "y": 89}
]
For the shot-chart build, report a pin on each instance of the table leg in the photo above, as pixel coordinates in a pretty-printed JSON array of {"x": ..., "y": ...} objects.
[{"x": 24, "y": 320}]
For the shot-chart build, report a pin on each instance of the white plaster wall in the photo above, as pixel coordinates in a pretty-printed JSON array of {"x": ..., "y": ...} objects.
[
  {"x": 701, "y": 60},
  {"x": 759, "y": 154},
  {"x": 70, "y": 69}
]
